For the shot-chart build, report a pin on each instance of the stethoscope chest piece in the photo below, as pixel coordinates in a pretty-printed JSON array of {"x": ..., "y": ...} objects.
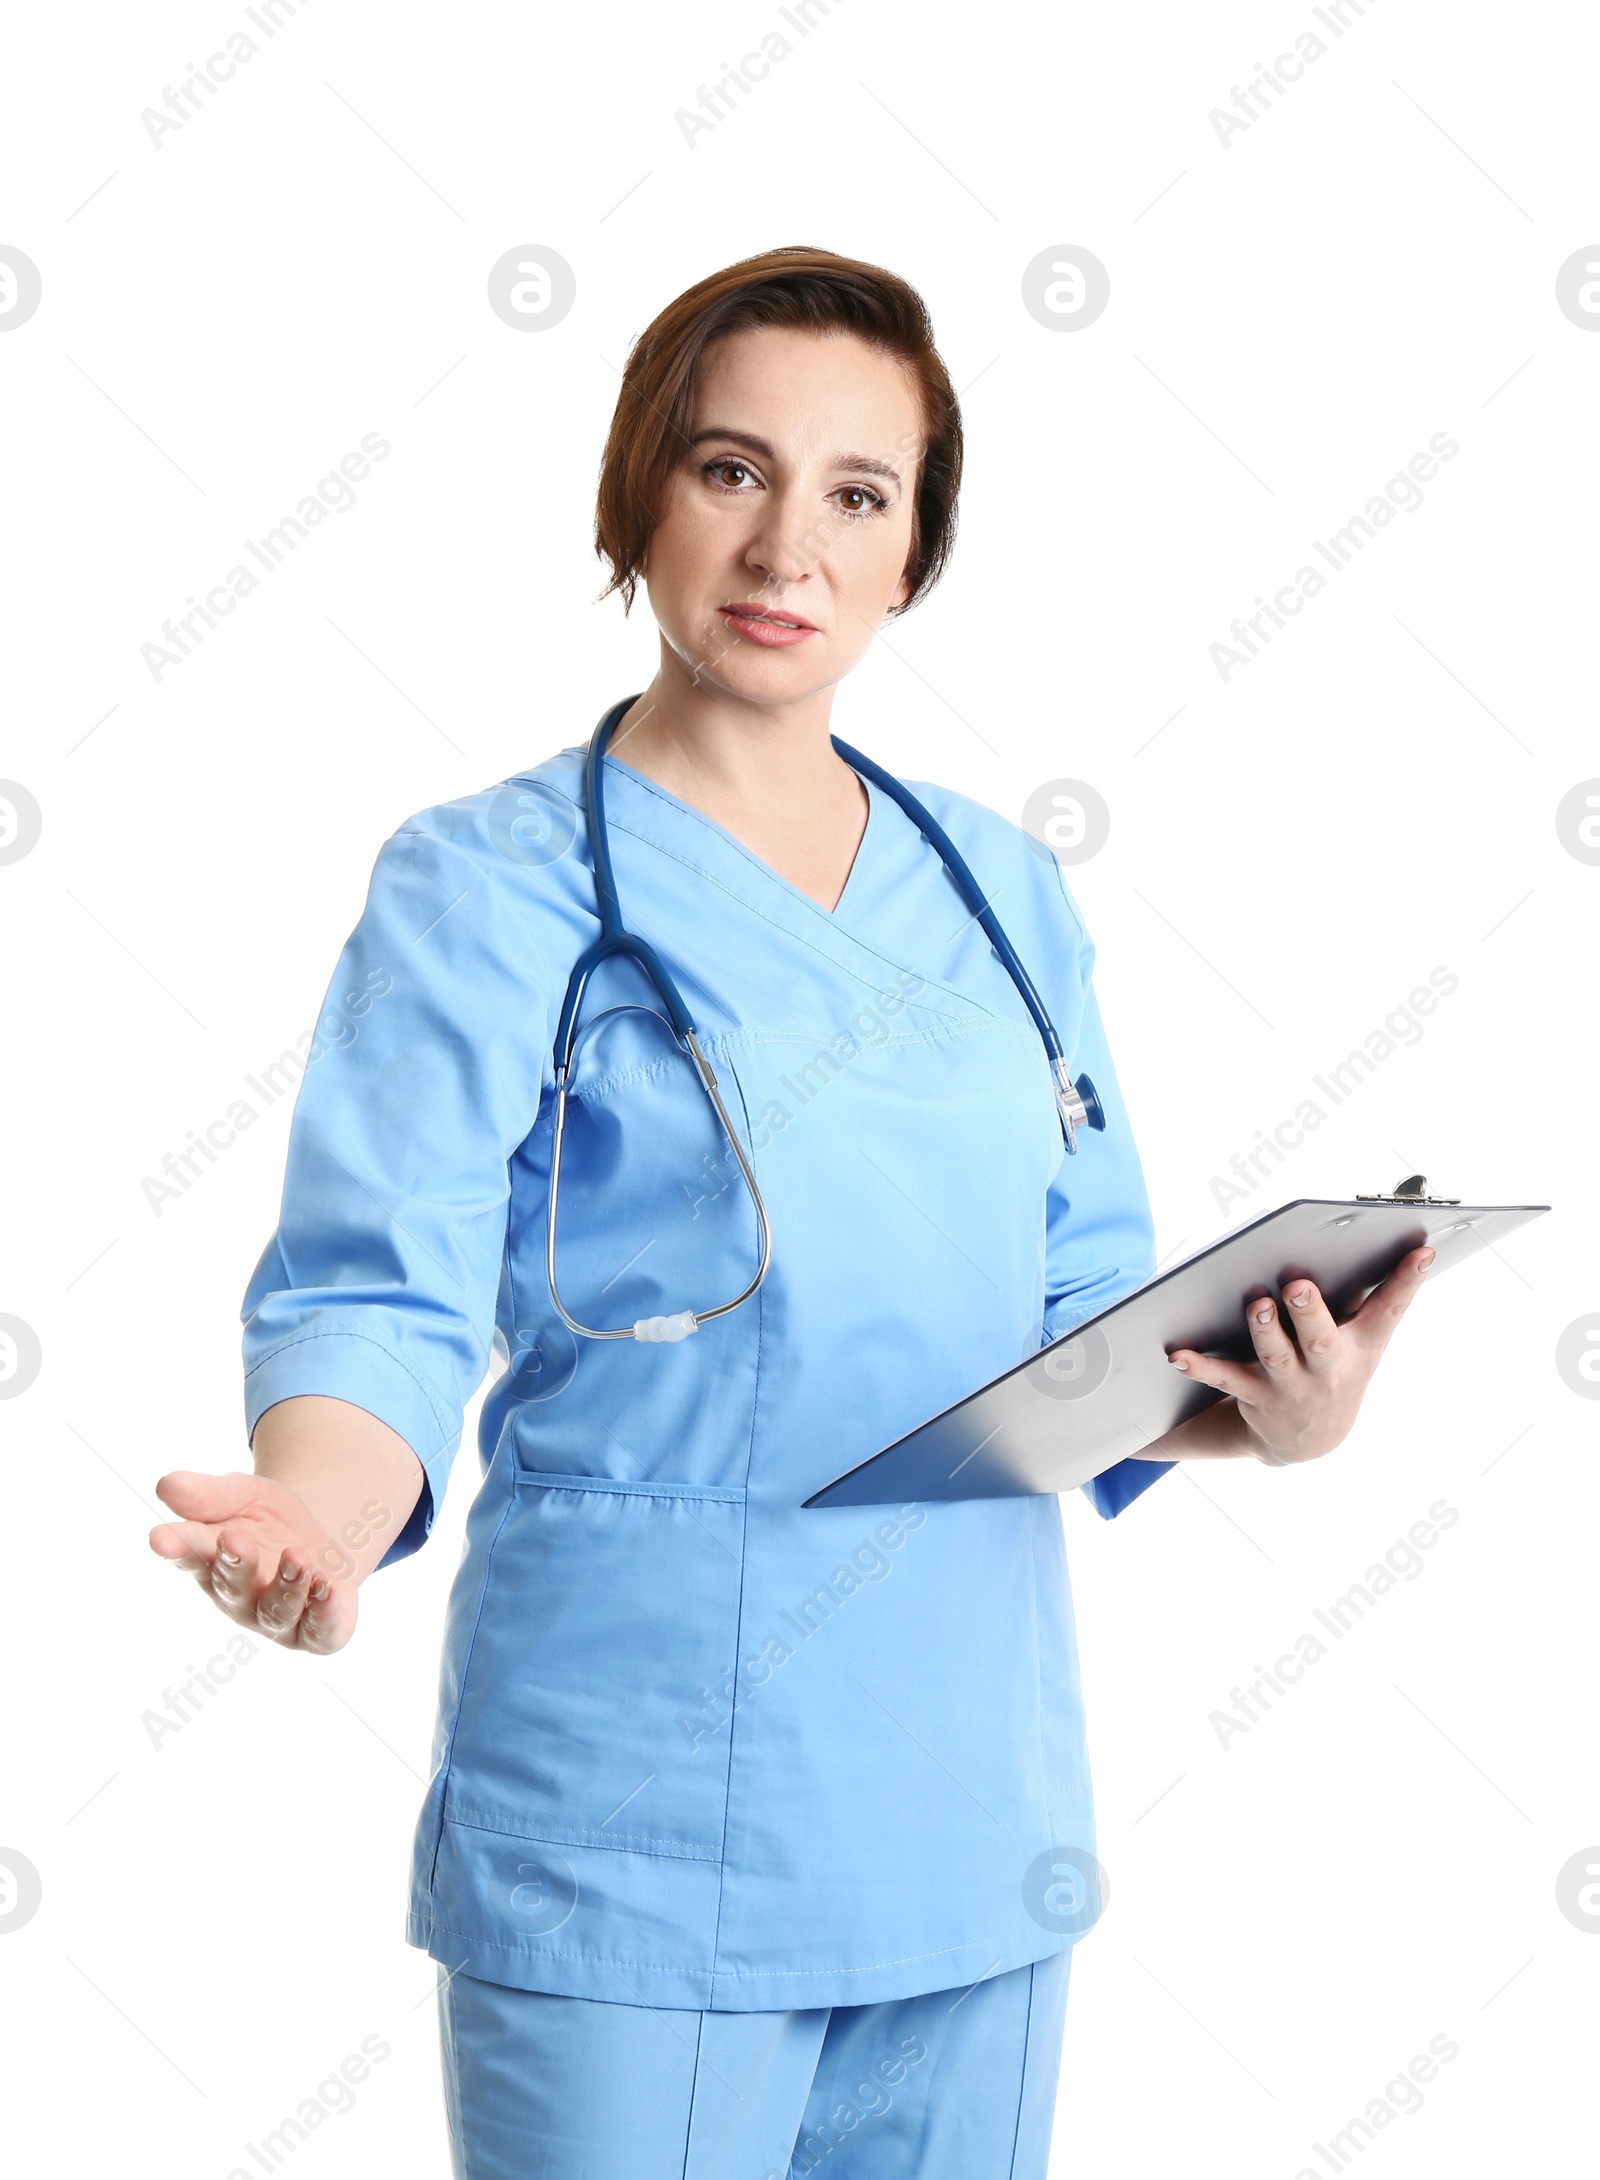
[{"x": 1078, "y": 1103}]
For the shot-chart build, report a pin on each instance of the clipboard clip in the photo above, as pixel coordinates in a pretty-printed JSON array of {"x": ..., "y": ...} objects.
[{"x": 1412, "y": 1190}]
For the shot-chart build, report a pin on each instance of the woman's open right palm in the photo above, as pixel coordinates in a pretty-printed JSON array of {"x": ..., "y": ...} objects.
[{"x": 258, "y": 1553}]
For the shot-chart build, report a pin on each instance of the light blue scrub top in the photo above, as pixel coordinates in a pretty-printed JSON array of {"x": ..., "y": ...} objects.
[{"x": 698, "y": 1747}]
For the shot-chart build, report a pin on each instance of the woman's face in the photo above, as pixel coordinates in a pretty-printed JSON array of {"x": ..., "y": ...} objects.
[{"x": 787, "y": 526}]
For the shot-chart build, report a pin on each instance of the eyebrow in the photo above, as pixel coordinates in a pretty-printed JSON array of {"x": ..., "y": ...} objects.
[{"x": 866, "y": 463}]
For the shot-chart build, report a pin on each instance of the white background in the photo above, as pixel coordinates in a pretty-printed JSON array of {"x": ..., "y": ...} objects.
[{"x": 1292, "y": 316}]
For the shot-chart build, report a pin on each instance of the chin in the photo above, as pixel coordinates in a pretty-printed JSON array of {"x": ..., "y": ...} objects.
[
  {"x": 762, "y": 677},
  {"x": 770, "y": 681}
]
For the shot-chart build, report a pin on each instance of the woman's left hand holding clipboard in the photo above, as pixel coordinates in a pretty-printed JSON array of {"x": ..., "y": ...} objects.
[{"x": 1300, "y": 1396}]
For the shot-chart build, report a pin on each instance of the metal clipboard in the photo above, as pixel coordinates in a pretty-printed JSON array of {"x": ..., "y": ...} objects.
[{"x": 1105, "y": 1390}]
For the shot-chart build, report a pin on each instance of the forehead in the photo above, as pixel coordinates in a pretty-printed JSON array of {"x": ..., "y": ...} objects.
[{"x": 810, "y": 393}]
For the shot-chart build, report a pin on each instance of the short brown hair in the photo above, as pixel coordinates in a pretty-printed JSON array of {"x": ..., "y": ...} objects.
[{"x": 811, "y": 290}]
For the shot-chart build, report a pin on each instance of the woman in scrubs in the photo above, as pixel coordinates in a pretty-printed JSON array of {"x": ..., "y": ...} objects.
[{"x": 757, "y": 1838}]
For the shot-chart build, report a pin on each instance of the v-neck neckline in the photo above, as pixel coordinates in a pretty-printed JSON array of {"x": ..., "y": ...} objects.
[
  {"x": 849, "y": 942},
  {"x": 776, "y": 877}
]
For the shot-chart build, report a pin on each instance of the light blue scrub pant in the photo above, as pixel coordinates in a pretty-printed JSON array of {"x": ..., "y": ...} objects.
[{"x": 955, "y": 2085}]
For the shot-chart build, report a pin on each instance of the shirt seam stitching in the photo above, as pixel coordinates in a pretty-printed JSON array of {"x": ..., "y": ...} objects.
[
  {"x": 303, "y": 1339},
  {"x": 622, "y": 1487},
  {"x": 575, "y": 1836},
  {"x": 724, "y": 1044},
  {"x": 727, "y": 1975},
  {"x": 738, "y": 1617},
  {"x": 455, "y": 1723},
  {"x": 760, "y": 870}
]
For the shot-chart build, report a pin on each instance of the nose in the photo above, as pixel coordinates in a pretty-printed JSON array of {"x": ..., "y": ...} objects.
[{"x": 777, "y": 550}]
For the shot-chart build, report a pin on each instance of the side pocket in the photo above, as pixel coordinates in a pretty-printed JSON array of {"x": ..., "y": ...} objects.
[{"x": 609, "y": 1626}]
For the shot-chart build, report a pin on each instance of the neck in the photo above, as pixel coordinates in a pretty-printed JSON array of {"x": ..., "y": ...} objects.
[
  {"x": 766, "y": 773},
  {"x": 715, "y": 750}
]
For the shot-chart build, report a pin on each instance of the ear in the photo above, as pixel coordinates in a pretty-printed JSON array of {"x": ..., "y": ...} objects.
[{"x": 902, "y": 589}]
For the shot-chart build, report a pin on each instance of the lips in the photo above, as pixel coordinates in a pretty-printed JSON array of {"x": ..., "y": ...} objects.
[
  {"x": 750, "y": 611},
  {"x": 765, "y": 626}
]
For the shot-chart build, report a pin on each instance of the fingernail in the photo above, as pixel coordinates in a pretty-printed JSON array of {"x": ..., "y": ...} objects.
[
  {"x": 1426, "y": 1258},
  {"x": 1177, "y": 1362},
  {"x": 228, "y": 1559},
  {"x": 318, "y": 1591},
  {"x": 289, "y": 1572},
  {"x": 1301, "y": 1299},
  {"x": 1263, "y": 1316}
]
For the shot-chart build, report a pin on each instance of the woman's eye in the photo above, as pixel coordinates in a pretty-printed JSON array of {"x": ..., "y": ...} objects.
[
  {"x": 860, "y": 499},
  {"x": 731, "y": 475}
]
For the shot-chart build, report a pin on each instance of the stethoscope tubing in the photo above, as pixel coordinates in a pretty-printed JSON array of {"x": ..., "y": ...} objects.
[
  {"x": 1076, "y": 1102},
  {"x": 966, "y": 885}
]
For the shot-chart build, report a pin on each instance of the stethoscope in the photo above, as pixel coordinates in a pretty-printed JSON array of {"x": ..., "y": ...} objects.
[{"x": 1076, "y": 1102}]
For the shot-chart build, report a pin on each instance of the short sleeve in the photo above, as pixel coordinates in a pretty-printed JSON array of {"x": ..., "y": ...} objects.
[
  {"x": 422, "y": 1078},
  {"x": 1100, "y": 1238}
]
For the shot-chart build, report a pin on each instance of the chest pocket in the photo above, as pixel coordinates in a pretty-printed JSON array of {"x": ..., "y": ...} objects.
[{"x": 647, "y": 1222}]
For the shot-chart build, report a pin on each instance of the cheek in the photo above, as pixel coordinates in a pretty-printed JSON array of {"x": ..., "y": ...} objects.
[
  {"x": 865, "y": 567},
  {"x": 687, "y": 551},
  {"x": 678, "y": 541}
]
